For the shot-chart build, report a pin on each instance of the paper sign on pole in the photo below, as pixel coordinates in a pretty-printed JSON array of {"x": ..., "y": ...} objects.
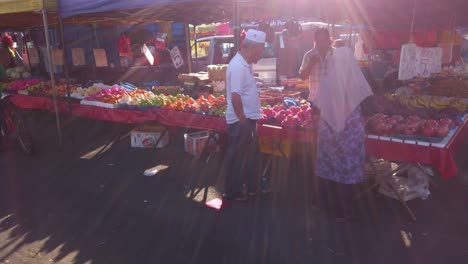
[
  {"x": 57, "y": 57},
  {"x": 417, "y": 61},
  {"x": 78, "y": 57},
  {"x": 407, "y": 69},
  {"x": 148, "y": 54},
  {"x": 177, "y": 57},
  {"x": 33, "y": 56},
  {"x": 100, "y": 57}
]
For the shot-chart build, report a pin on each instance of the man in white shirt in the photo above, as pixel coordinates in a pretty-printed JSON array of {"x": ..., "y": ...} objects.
[{"x": 243, "y": 111}]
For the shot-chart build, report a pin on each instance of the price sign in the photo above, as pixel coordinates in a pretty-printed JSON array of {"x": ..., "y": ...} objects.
[
  {"x": 148, "y": 54},
  {"x": 78, "y": 56},
  {"x": 100, "y": 57},
  {"x": 33, "y": 56},
  {"x": 417, "y": 61},
  {"x": 176, "y": 57}
]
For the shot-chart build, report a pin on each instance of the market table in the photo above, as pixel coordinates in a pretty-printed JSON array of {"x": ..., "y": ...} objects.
[{"x": 438, "y": 155}]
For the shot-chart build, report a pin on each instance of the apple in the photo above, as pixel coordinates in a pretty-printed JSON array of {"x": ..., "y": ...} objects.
[
  {"x": 446, "y": 121},
  {"x": 442, "y": 131},
  {"x": 432, "y": 122},
  {"x": 280, "y": 116},
  {"x": 398, "y": 118},
  {"x": 263, "y": 120},
  {"x": 295, "y": 109},
  {"x": 409, "y": 131},
  {"x": 414, "y": 118},
  {"x": 428, "y": 130},
  {"x": 400, "y": 128},
  {"x": 278, "y": 108},
  {"x": 380, "y": 116}
]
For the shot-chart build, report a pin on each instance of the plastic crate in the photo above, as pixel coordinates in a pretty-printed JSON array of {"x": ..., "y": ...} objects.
[
  {"x": 275, "y": 147},
  {"x": 195, "y": 143}
]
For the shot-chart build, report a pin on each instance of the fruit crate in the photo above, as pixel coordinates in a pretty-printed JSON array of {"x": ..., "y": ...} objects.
[
  {"x": 195, "y": 143},
  {"x": 275, "y": 147}
]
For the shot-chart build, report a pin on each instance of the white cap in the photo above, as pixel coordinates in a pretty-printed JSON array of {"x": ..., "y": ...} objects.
[{"x": 256, "y": 35}]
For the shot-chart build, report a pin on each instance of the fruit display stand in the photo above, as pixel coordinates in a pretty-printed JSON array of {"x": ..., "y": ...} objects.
[{"x": 438, "y": 155}]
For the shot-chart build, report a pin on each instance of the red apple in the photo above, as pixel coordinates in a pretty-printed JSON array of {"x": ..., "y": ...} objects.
[
  {"x": 305, "y": 107},
  {"x": 442, "y": 131},
  {"x": 398, "y": 118},
  {"x": 446, "y": 121},
  {"x": 428, "y": 130},
  {"x": 409, "y": 131},
  {"x": 278, "y": 108}
]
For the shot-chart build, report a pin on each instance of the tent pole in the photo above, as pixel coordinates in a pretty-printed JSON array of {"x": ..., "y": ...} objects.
[
  {"x": 196, "y": 45},
  {"x": 189, "y": 50},
  {"x": 65, "y": 65},
  {"x": 52, "y": 77},
  {"x": 236, "y": 25}
]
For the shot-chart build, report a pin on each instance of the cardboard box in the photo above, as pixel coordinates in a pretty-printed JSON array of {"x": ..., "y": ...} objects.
[
  {"x": 196, "y": 142},
  {"x": 147, "y": 136},
  {"x": 275, "y": 147}
]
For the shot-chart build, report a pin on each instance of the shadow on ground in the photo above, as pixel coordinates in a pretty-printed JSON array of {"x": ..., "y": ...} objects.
[{"x": 90, "y": 203}]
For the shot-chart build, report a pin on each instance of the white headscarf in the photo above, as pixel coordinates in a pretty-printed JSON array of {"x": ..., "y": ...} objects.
[{"x": 342, "y": 89}]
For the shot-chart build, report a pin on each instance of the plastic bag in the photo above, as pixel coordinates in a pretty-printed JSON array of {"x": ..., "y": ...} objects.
[{"x": 410, "y": 184}]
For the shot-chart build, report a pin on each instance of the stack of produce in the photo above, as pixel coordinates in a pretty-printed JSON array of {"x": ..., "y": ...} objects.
[
  {"x": 302, "y": 116},
  {"x": 394, "y": 125},
  {"x": 431, "y": 102},
  {"x": 108, "y": 96},
  {"x": 81, "y": 93},
  {"x": 207, "y": 105},
  {"x": 46, "y": 90},
  {"x": 21, "y": 85},
  {"x": 138, "y": 97},
  {"x": 17, "y": 73}
]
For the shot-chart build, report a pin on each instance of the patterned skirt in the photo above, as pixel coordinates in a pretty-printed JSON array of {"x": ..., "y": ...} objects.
[{"x": 341, "y": 156}]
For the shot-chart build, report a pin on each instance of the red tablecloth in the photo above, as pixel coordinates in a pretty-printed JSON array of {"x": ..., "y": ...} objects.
[
  {"x": 303, "y": 136},
  {"x": 441, "y": 159}
]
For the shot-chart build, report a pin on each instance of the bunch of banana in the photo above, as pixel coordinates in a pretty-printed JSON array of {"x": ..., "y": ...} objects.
[
  {"x": 422, "y": 101},
  {"x": 460, "y": 104},
  {"x": 440, "y": 102}
]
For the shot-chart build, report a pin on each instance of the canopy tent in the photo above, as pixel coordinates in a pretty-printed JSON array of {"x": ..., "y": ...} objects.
[
  {"x": 194, "y": 12},
  {"x": 370, "y": 13},
  {"x": 21, "y": 14},
  {"x": 396, "y": 13}
]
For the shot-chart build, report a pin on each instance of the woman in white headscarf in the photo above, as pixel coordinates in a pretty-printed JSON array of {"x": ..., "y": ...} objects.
[{"x": 341, "y": 150}]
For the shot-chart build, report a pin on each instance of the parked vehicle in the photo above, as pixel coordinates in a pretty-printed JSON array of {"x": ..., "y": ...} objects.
[{"x": 217, "y": 50}]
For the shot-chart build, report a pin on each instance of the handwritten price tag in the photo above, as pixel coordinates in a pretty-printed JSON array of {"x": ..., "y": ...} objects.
[{"x": 176, "y": 57}]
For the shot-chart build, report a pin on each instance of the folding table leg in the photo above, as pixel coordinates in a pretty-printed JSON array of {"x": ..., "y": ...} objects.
[
  {"x": 403, "y": 203},
  {"x": 423, "y": 170}
]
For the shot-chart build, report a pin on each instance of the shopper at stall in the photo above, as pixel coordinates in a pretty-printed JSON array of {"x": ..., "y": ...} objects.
[
  {"x": 314, "y": 63},
  {"x": 243, "y": 111},
  {"x": 7, "y": 52},
  {"x": 341, "y": 87}
]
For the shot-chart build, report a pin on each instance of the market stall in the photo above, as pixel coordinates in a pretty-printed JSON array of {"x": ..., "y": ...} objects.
[{"x": 23, "y": 14}]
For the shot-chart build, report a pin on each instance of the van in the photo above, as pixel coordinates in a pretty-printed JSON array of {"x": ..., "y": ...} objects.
[{"x": 217, "y": 50}]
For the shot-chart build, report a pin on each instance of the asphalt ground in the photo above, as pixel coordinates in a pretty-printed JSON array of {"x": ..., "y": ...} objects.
[{"x": 89, "y": 202}]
